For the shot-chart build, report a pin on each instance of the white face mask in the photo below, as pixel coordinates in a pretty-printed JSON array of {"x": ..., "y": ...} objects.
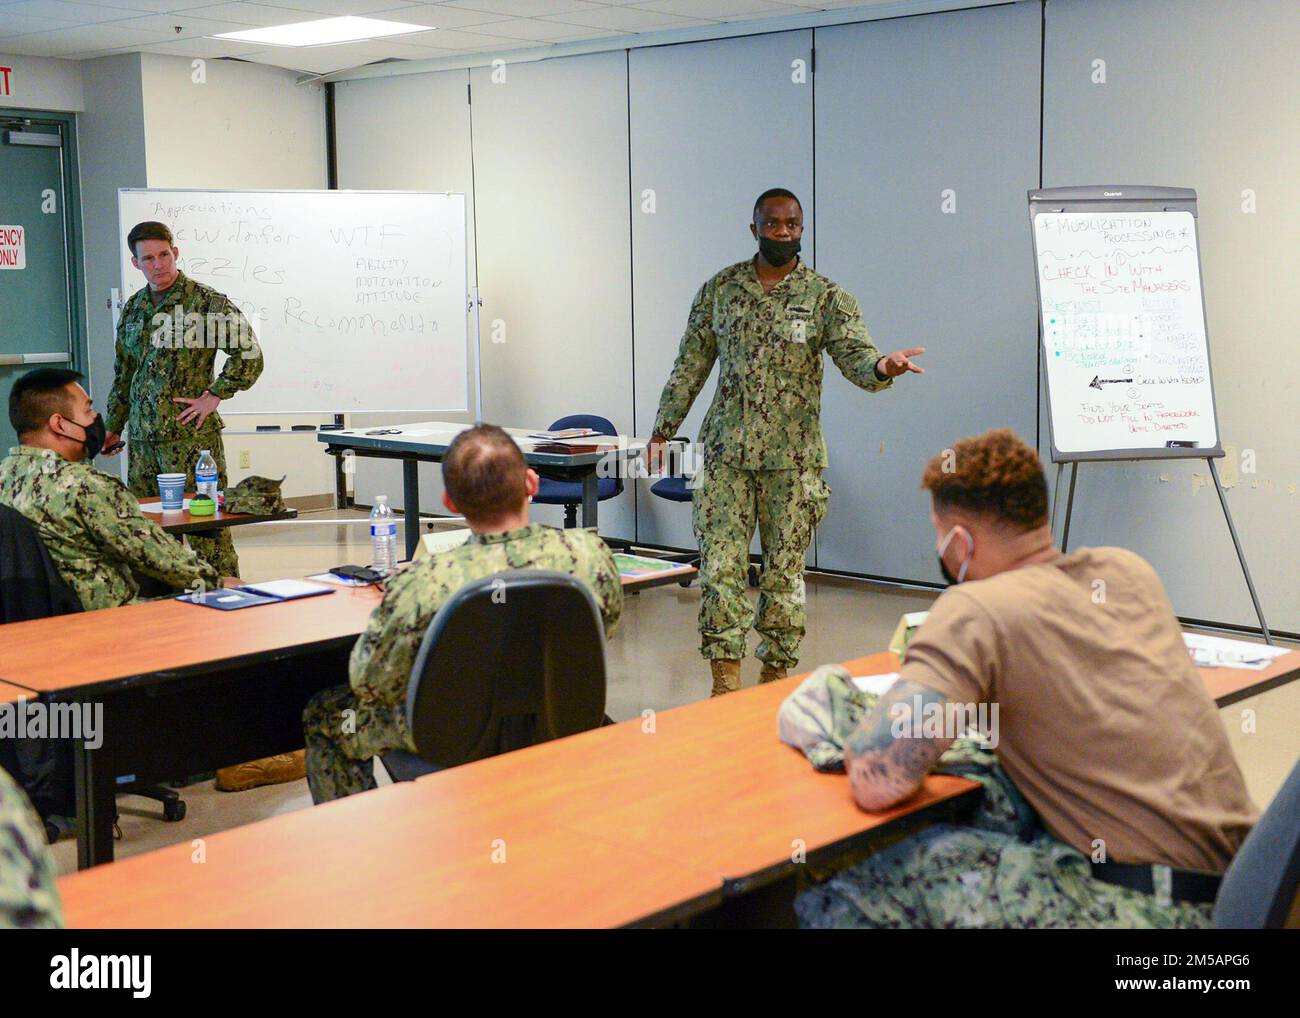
[{"x": 965, "y": 563}]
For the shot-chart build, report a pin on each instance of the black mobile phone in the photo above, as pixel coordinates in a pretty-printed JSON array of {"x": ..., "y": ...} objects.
[
  {"x": 113, "y": 448},
  {"x": 361, "y": 573}
]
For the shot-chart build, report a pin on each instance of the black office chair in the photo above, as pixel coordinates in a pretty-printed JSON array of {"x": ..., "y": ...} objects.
[
  {"x": 569, "y": 493},
  {"x": 509, "y": 661},
  {"x": 1259, "y": 890},
  {"x": 32, "y": 588}
]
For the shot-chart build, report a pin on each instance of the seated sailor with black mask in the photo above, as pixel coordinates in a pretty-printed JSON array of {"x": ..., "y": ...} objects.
[{"x": 88, "y": 520}]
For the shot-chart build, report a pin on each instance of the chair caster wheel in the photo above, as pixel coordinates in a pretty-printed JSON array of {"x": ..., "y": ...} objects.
[{"x": 174, "y": 811}]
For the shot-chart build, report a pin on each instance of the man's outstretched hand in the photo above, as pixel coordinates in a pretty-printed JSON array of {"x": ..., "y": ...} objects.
[
  {"x": 899, "y": 363},
  {"x": 196, "y": 410}
]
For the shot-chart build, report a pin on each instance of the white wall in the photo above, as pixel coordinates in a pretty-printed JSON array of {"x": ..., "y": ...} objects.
[
  {"x": 111, "y": 153},
  {"x": 42, "y": 83},
  {"x": 246, "y": 126},
  {"x": 1212, "y": 107},
  {"x": 1198, "y": 96},
  {"x": 554, "y": 265},
  {"x": 406, "y": 134},
  {"x": 706, "y": 152}
]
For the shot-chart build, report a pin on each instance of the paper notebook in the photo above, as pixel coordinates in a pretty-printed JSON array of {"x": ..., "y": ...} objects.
[{"x": 250, "y": 595}]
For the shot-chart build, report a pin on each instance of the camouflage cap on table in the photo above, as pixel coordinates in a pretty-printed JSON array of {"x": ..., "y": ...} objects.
[{"x": 259, "y": 495}]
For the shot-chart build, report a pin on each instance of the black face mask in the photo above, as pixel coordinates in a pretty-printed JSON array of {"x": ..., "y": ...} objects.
[
  {"x": 777, "y": 252},
  {"x": 95, "y": 435}
]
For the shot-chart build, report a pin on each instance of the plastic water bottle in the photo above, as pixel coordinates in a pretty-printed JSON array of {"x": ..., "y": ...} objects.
[
  {"x": 205, "y": 475},
  {"x": 383, "y": 536}
]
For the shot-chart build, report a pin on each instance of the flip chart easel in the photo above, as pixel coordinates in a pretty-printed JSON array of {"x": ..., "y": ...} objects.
[{"x": 1122, "y": 334}]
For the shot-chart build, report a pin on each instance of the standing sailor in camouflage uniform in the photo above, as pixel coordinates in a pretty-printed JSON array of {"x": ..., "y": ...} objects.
[
  {"x": 29, "y": 898},
  {"x": 767, "y": 321},
  {"x": 167, "y": 341},
  {"x": 489, "y": 483},
  {"x": 88, "y": 521}
]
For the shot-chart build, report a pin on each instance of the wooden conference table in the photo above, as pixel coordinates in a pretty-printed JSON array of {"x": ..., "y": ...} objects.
[
  {"x": 612, "y": 827},
  {"x": 427, "y": 442},
  {"x": 187, "y": 689},
  {"x": 628, "y": 824},
  {"x": 184, "y": 689}
]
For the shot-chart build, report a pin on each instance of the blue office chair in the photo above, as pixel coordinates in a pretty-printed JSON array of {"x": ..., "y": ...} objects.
[
  {"x": 1259, "y": 890},
  {"x": 509, "y": 661},
  {"x": 569, "y": 493}
]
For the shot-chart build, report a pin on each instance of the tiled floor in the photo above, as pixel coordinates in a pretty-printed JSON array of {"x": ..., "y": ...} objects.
[{"x": 654, "y": 663}]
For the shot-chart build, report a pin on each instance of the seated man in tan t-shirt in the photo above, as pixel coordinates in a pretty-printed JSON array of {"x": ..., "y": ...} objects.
[{"x": 1102, "y": 724}]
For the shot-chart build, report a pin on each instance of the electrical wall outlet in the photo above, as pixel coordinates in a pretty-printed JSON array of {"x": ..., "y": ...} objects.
[{"x": 245, "y": 459}]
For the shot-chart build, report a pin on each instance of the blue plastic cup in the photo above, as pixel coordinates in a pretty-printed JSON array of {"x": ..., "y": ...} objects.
[{"x": 171, "y": 489}]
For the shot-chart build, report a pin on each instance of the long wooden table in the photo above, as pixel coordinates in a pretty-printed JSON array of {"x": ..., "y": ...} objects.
[
  {"x": 184, "y": 689},
  {"x": 617, "y": 826},
  {"x": 629, "y": 824}
]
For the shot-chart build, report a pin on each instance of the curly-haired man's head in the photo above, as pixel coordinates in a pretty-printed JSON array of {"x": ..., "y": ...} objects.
[{"x": 988, "y": 505}]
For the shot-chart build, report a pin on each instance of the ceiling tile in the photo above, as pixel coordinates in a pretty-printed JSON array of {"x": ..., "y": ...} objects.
[
  {"x": 323, "y": 59},
  {"x": 338, "y": 8},
  {"x": 439, "y": 16},
  {"x": 74, "y": 41},
  {"x": 718, "y": 10},
  {"x": 210, "y": 48},
  {"x": 251, "y": 15},
  {"x": 21, "y": 24},
  {"x": 191, "y": 27},
  {"x": 64, "y": 12},
  {"x": 150, "y": 6},
  {"x": 532, "y": 29},
  {"x": 624, "y": 19},
  {"x": 464, "y": 41},
  {"x": 525, "y": 8}
]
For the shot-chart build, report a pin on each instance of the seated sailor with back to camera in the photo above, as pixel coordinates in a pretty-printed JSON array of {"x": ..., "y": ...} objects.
[{"x": 489, "y": 483}]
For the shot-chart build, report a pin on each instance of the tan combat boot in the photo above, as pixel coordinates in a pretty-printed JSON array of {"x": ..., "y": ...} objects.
[
  {"x": 771, "y": 673},
  {"x": 270, "y": 770},
  {"x": 726, "y": 676}
]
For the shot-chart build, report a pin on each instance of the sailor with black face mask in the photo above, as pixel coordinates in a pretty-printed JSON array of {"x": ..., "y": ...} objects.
[
  {"x": 767, "y": 321},
  {"x": 88, "y": 520}
]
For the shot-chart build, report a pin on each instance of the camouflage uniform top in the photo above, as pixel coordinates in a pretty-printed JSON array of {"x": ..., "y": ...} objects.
[
  {"x": 92, "y": 527},
  {"x": 152, "y": 367},
  {"x": 766, "y": 413},
  {"x": 384, "y": 655},
  {"x": 28, "y": 896}
]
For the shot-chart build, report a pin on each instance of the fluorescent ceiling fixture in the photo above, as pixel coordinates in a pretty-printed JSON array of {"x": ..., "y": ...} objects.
[{"x": 326, "y": 32}]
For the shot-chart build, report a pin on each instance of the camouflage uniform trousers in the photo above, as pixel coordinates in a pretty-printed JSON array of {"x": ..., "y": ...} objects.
[
  {"x": 342, "y": 745},
  {"x": 146, "y": 460},
  {"x": 787, "y": 506},
  {"x": 1001, "y": 871}
]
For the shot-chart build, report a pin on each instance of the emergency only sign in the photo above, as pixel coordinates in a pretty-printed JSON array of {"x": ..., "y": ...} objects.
[{"x": 13, "y": 247}]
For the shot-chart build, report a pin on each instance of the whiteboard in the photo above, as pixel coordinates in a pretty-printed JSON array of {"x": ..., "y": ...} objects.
[
  {"x": 359, "y": 298},
  {"x": 1124, "y": 343}
]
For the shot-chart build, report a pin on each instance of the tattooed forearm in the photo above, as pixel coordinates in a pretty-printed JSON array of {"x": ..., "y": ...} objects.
[{"x": 886, "y": 757}]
